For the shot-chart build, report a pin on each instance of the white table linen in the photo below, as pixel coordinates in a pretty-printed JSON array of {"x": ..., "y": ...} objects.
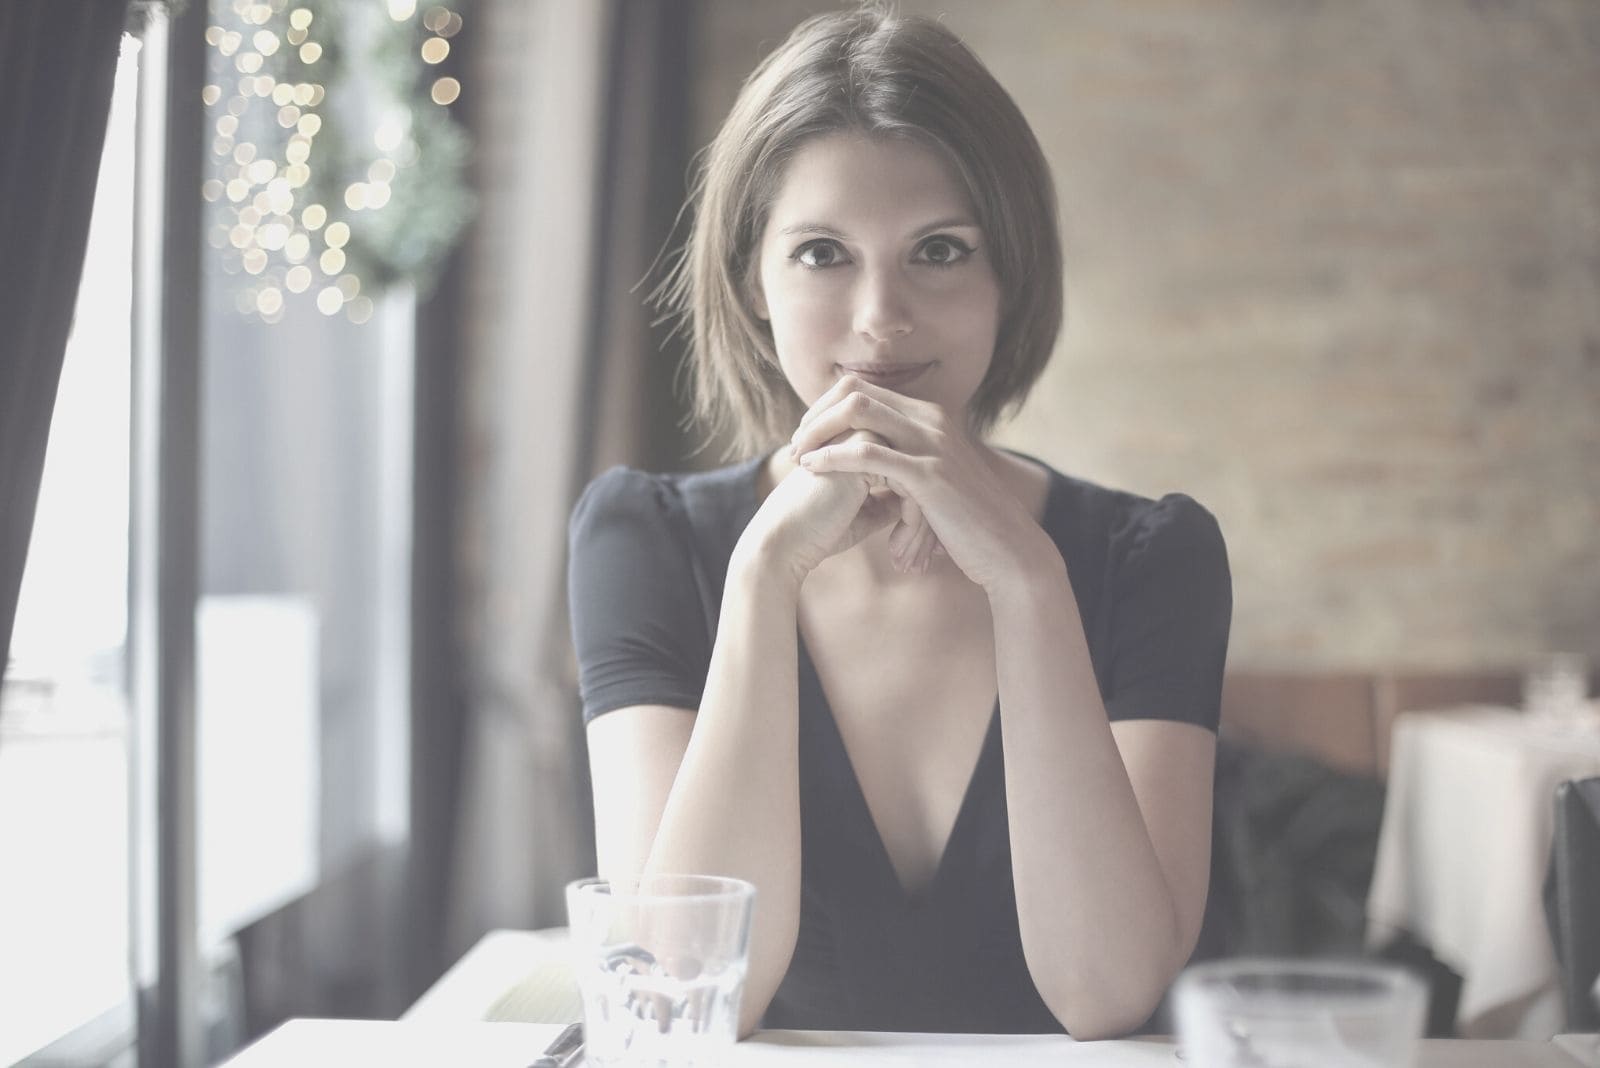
[
  {"x": 416, "y": 1044},
  {"x": 1462, "y": 854}
]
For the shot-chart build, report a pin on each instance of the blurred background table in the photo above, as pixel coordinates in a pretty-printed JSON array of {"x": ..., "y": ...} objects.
[{"x": 1463, "y": 851}]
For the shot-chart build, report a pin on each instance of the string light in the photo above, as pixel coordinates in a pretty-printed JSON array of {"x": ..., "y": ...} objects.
[{"x": 270, "y": 186}]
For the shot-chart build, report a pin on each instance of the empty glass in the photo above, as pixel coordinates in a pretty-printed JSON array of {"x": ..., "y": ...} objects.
[
  {"x": 661, "y": 962},
  {"x": 1258, "y": 1013}
]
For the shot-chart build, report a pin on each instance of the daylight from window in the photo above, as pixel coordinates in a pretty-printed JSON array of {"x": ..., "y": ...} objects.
[{"x": 64, "y": 912}]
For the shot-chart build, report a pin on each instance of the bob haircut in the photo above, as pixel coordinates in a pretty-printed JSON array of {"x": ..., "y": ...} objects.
[{"x": 873, "y": 72}]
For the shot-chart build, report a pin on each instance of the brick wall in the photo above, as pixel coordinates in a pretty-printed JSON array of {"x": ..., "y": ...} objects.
[{"x": 1333, "y": 269}]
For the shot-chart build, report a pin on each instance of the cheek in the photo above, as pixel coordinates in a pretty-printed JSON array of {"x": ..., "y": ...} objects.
[
  {"x": 971, "y": 313},
  {"x": 804, "y": 336},
  {"x": 806, "y": 314}
]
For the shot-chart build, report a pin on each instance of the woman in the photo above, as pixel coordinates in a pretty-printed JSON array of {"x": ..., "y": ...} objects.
[{"x": 952, "y": 712}]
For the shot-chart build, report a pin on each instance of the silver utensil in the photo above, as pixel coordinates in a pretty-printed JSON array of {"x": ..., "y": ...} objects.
[{"x": 564, "y": 1051}]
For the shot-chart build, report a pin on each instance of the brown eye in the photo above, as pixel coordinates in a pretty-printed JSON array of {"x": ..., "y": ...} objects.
[
  {"x": 819, "y": 254},
  {"x": 943, "y": 251}
]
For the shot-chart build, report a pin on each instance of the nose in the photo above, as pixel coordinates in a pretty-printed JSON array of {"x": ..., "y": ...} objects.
[{"x": 883, "y": 307}]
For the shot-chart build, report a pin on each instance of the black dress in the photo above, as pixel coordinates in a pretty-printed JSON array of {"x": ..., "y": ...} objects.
[{"x": 648, "y": 554}]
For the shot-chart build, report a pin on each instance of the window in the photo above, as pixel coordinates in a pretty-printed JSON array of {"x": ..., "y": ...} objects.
[{"x": 64, "y": 818}]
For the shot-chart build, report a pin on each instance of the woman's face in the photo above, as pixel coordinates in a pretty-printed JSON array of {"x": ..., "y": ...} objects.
[{"x": 872, "y": 263}]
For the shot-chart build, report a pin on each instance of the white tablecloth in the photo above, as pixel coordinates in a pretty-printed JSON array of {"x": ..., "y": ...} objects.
[
  {"x": 415, "y": 1044},
  {"x": 1463, "y": 851}
]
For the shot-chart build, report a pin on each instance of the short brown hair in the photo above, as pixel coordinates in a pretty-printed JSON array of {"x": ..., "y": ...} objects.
[{"x": 871, "y": 71}]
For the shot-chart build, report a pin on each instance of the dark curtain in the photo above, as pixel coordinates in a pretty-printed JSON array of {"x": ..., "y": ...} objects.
[
  {"x": 58, "y": 59},
  {"x": 632, "y": 414}
]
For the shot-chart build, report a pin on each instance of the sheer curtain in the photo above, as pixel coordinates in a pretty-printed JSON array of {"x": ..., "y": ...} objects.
[{"x": 57, "y": 64}]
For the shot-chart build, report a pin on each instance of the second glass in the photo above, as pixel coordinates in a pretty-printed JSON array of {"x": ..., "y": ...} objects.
[{"x": 1245, "y": 1013}]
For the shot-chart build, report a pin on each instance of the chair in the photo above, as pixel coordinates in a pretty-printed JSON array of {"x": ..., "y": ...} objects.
[{"x": 1572, "y": 899}]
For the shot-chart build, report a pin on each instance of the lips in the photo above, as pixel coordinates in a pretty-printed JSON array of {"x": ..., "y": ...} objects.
[{"x": 888, "y": 375}]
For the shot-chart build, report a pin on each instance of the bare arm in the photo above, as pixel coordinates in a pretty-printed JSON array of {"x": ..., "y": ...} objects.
[
  {"x": 734, "y": 808},
  {"x": 717, "y": 792},
  {"x": 1110, "y": 823}
]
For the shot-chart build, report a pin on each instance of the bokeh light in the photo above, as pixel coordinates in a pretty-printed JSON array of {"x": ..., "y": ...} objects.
[
  {"x": 445, "y": 91},
  {"x": 435, "y": 49},
  {"x": 266, "y": 160}
]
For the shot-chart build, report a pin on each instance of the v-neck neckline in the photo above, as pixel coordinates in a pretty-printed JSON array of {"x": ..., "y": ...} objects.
[{"x": 987, "y": 748}]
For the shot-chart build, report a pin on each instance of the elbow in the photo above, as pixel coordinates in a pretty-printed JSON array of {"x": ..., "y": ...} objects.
[
  {"x": 1089, "y": 1011},
  {"x": 752, "y": 1007},
  {"x": 771, "y": 951},
  {"x": 1092, "y": 1019},
  {"x": 1109, "y": 999}
]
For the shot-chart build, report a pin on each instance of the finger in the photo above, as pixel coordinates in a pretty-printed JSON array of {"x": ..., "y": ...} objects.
[
  {"x": 900, "y": 539},
  {"x": 926, "y": 540},
  {"x": 859, "y": 413},
  {"x": 830, "y": 396},
  {"x": 847, "y": 384},
  {"x": 867, "y": 458},
  {"x": 916, "y": 531},
  {"x": 903, "y": 539},
  {"x": 875, "y": 483},
  {"x": 875, "y": 514}
]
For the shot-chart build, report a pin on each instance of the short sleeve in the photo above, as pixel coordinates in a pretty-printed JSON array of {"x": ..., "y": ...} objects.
[
  {"x": 638, "y": 626},
  {"x": 1172, "y": 602}
]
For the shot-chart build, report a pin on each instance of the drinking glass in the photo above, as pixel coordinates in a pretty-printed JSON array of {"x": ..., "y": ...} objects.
[
  {"x": 660, "y": 961},
  {"x": 1260, "y": 1013}
]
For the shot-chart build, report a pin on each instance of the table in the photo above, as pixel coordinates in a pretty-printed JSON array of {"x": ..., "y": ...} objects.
[
  {"x": 1462, "y": 854},
  {"x": 340, "y": 1043},
  {"x": 508, "y": 975}
]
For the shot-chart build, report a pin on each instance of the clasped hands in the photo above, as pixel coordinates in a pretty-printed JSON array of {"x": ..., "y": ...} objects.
[{"x": 951, "y": 499}]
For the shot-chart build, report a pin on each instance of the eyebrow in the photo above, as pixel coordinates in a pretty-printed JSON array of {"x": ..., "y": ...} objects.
[{"x": 952, "y": 223}]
